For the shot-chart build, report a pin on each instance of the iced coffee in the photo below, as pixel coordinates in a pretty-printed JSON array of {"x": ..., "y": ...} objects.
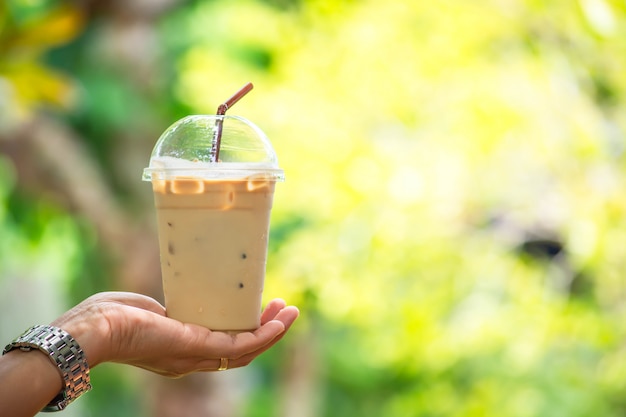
[{"x": 213, "y": 221}]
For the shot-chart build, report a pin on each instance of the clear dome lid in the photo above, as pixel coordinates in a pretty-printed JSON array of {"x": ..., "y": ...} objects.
[{"x": 185, "y": 150}]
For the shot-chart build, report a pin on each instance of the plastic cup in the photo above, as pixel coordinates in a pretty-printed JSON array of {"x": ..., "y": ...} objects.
[{"x": 213, "y": 219}]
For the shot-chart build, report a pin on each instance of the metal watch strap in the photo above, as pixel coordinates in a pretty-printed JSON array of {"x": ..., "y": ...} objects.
[{"x": 65, "y": 353}]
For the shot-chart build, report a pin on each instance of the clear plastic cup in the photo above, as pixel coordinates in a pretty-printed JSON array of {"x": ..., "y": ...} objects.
[{"x": 213, "y": 219}]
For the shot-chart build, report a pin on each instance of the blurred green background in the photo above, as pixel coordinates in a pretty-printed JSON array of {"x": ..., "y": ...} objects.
[{"x": 452, "y": 227}]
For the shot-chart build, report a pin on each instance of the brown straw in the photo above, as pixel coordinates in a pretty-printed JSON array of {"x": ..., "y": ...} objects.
[{"x": 221, "y": 111}]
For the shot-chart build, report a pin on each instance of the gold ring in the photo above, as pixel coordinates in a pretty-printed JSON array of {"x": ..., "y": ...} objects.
[{"x": 223, "y": 364}]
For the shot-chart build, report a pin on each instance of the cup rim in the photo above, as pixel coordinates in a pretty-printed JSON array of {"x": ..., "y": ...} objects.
[{"x": 233, "y": 172}]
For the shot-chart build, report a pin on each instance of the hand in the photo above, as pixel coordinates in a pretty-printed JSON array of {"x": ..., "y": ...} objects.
[{"x": 133, "y": 329}]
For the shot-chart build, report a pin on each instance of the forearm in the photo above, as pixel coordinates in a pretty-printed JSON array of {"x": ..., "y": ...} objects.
[{"x": 29, "y": 382}]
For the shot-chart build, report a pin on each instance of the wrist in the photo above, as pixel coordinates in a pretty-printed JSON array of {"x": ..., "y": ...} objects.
[
  {"x": 90, "y": 331},
  {"x": 27, "y": 399},
  {"x": 65, "y": 353}
]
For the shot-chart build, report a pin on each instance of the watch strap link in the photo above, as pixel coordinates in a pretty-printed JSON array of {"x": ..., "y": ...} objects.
[{"x": 65, "y": 353}]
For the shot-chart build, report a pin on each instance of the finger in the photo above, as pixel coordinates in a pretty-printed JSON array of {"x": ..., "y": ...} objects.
[
  {"x": 271, "y": 332},
  {"x": 186, "y": 367},
  {"x": 193, "y": 343},
  {"x": 237, "y": 345},
  {"x": 287, "y": 316},
  {"x": 199, "y": 349},
  {"x": 236, "y": 350},
  {"x": 272, "y": 308}
]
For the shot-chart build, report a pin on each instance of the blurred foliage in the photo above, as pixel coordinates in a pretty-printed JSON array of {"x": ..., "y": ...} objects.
[
  {"x": 29, "y": 29},
  {"x": 453, "y": 221}
]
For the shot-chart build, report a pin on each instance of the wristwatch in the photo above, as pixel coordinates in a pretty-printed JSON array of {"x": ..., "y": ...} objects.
[{"x": 65, "y": 353}]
